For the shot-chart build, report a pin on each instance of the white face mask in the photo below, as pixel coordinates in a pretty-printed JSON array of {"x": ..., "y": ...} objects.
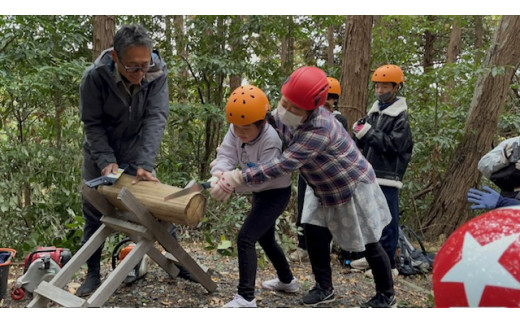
[{"x": 288, "y": 118}]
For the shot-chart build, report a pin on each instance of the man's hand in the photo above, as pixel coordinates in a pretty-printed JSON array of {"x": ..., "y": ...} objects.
[
  {"x": 482, "y": 199},
  {"x": 110, "y": 168},
  {"x": 144, "y": 175}
]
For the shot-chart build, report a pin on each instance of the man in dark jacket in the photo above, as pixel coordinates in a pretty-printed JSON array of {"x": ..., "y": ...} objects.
[
  {"x": 124, "y": 106},
  {"x": 385, "y": 138}
]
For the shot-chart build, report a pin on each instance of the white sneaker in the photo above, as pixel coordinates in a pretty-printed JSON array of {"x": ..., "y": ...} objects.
[
  {"x": 361, "y": 264},
  {"x": 299, "y": 255},
  {"x": 277, "y": 285},
  {"x": 239, "y": 301},
  {"x": 395, "y": 273}
]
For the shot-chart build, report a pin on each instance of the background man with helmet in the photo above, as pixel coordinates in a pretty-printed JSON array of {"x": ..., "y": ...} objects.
[
  {"x": 385, "y": 138},
  {"x": 352, "y": 208},
  {"x": 251, "y": 141}
]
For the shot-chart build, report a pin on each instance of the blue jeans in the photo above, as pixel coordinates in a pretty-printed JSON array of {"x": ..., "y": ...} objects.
[
  {"x": 390, "y": 233},
  {"x": 259, "y": 226}
]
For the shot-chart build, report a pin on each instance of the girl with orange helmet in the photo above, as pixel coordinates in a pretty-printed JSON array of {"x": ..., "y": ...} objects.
[
  {"x": 350, "y": 207},
  {"x": 385, "y": 138},
  {"x": 251, "y": 141}
]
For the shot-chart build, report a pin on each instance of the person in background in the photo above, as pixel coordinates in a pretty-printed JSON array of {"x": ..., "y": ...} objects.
[
  {"x": 331, "y": 104},
  {"x": 351, "y": 208},
  {"x": 499, "y": 158},
  {"x": 385, "y": 138},
  {"x": 124, "y": 106},
  {"x": 251, "y": 141},
  {"x": 490, "y": 199}
]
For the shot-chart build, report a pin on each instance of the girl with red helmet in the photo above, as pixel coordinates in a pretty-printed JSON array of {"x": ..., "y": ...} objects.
[
  {"x": 252, "y": 141},
  {"x": 351, "y": 209}
]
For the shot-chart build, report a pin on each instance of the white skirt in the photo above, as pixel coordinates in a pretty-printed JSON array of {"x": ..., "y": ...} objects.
[{"x": 355, "y": 223}]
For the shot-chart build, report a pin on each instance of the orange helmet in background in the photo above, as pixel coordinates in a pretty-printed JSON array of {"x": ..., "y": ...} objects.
[
  {"x": 388, "y": 73},
  {"x": 334, "y": 86},
  {"x": 246, "y": 105}
]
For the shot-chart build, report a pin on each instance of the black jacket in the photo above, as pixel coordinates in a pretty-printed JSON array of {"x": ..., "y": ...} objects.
[
  {"x": 117, "y": 131},
  {"x": 386, "y": 141}
]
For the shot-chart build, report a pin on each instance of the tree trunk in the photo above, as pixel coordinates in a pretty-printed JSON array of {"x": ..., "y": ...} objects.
[
  {"x": 355, "y": 68},
  {"x": 429, "y": 39},
  {"x": 454, "y": 45},
  {"x": 103, "y": 31},
  {"x": 235, "y": 80},
  {"x": 479, "y": 38},
  {"x": 180, "y": 47},
  {"x": 452, "y": 53},
  {"x": 330, "y": 48},
  {"x": 449, "y": 208},
  {"x": 287, "y": 50}
]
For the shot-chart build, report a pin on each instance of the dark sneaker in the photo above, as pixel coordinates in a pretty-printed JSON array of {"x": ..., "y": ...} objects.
[
  {"x": 318, "y": 295},
  {"x": 381, "y": 301},
  {"x": 185, "y": 274},
  {"x": 91, "y": 283}
]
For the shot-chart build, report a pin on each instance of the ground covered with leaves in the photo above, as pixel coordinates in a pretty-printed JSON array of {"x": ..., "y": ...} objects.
[{"x": 158, "y": 290}]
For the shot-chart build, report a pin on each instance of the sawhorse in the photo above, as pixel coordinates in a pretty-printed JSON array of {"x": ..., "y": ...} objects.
[{"x": 144, "y": 229}]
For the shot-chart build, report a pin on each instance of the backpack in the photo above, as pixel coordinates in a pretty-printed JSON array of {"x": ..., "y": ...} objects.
[{"x": 410, "y": 260}]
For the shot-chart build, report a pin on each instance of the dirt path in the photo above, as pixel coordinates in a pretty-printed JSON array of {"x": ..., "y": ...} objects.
[{"x": 158, "y": 290}]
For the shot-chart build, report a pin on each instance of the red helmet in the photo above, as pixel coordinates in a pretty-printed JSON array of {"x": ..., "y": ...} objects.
[
  {"x": 307, "y": 87},
  {"x": 477, "y": 266}
]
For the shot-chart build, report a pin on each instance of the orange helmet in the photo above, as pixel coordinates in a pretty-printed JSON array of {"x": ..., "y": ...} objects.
[
  {"x": 334, "y": 87},
  {"x": 388, "y": 73},
  {"x": 246, "y": 105}
]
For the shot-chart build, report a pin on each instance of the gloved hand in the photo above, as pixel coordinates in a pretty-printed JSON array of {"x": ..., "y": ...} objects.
[
  {"x": 226, "y": 184},
  {"x": 482, "y": 199},
  {"x": 213, "y": 180},
  {"x": 360, "y": 128},
  {"x": 506, "y": 153}
]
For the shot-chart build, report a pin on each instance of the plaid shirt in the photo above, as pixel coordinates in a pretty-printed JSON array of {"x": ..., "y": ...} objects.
[{"x": 324, "y": 153}]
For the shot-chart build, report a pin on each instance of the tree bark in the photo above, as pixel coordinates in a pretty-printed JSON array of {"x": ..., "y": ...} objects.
[
  {"x": 287, "y": 50},
  {"x": 355, "y": 68},
  {"x": 103, "y": 31},
  {"x": 235, "y": 80},
  {"x": 479, "y": 37},
  {"x": 454, "y": 45},
  {"x": 180, "y": 47},
  {"x": 449, "y": 208},
  {"x": 452, "y": 53},
  {"x": 330, "y": 48}
]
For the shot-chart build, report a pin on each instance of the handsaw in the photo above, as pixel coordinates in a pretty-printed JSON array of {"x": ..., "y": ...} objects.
[{"x": 192, "y": 187}]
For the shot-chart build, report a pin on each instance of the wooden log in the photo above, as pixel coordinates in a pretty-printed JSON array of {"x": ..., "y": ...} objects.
[{"x": 185, "y": 210}]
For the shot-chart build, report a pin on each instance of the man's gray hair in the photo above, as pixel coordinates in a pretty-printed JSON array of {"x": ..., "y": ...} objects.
[{"x": 131, "y": 35}]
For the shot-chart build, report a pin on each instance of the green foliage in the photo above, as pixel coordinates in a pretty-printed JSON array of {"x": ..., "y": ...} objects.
[{"x": 42, "y": 59}]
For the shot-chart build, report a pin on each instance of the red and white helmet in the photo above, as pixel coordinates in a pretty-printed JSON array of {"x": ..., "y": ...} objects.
[
  {"x": 307, "y": 87},
  {"x": 479, "y": 264}
]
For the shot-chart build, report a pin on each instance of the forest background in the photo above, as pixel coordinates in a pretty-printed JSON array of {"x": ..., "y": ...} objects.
[{"x": 461, "y": 85}]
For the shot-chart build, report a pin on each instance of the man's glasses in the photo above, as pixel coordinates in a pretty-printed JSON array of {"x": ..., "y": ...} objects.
[{"x": 134, "y": 69}]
